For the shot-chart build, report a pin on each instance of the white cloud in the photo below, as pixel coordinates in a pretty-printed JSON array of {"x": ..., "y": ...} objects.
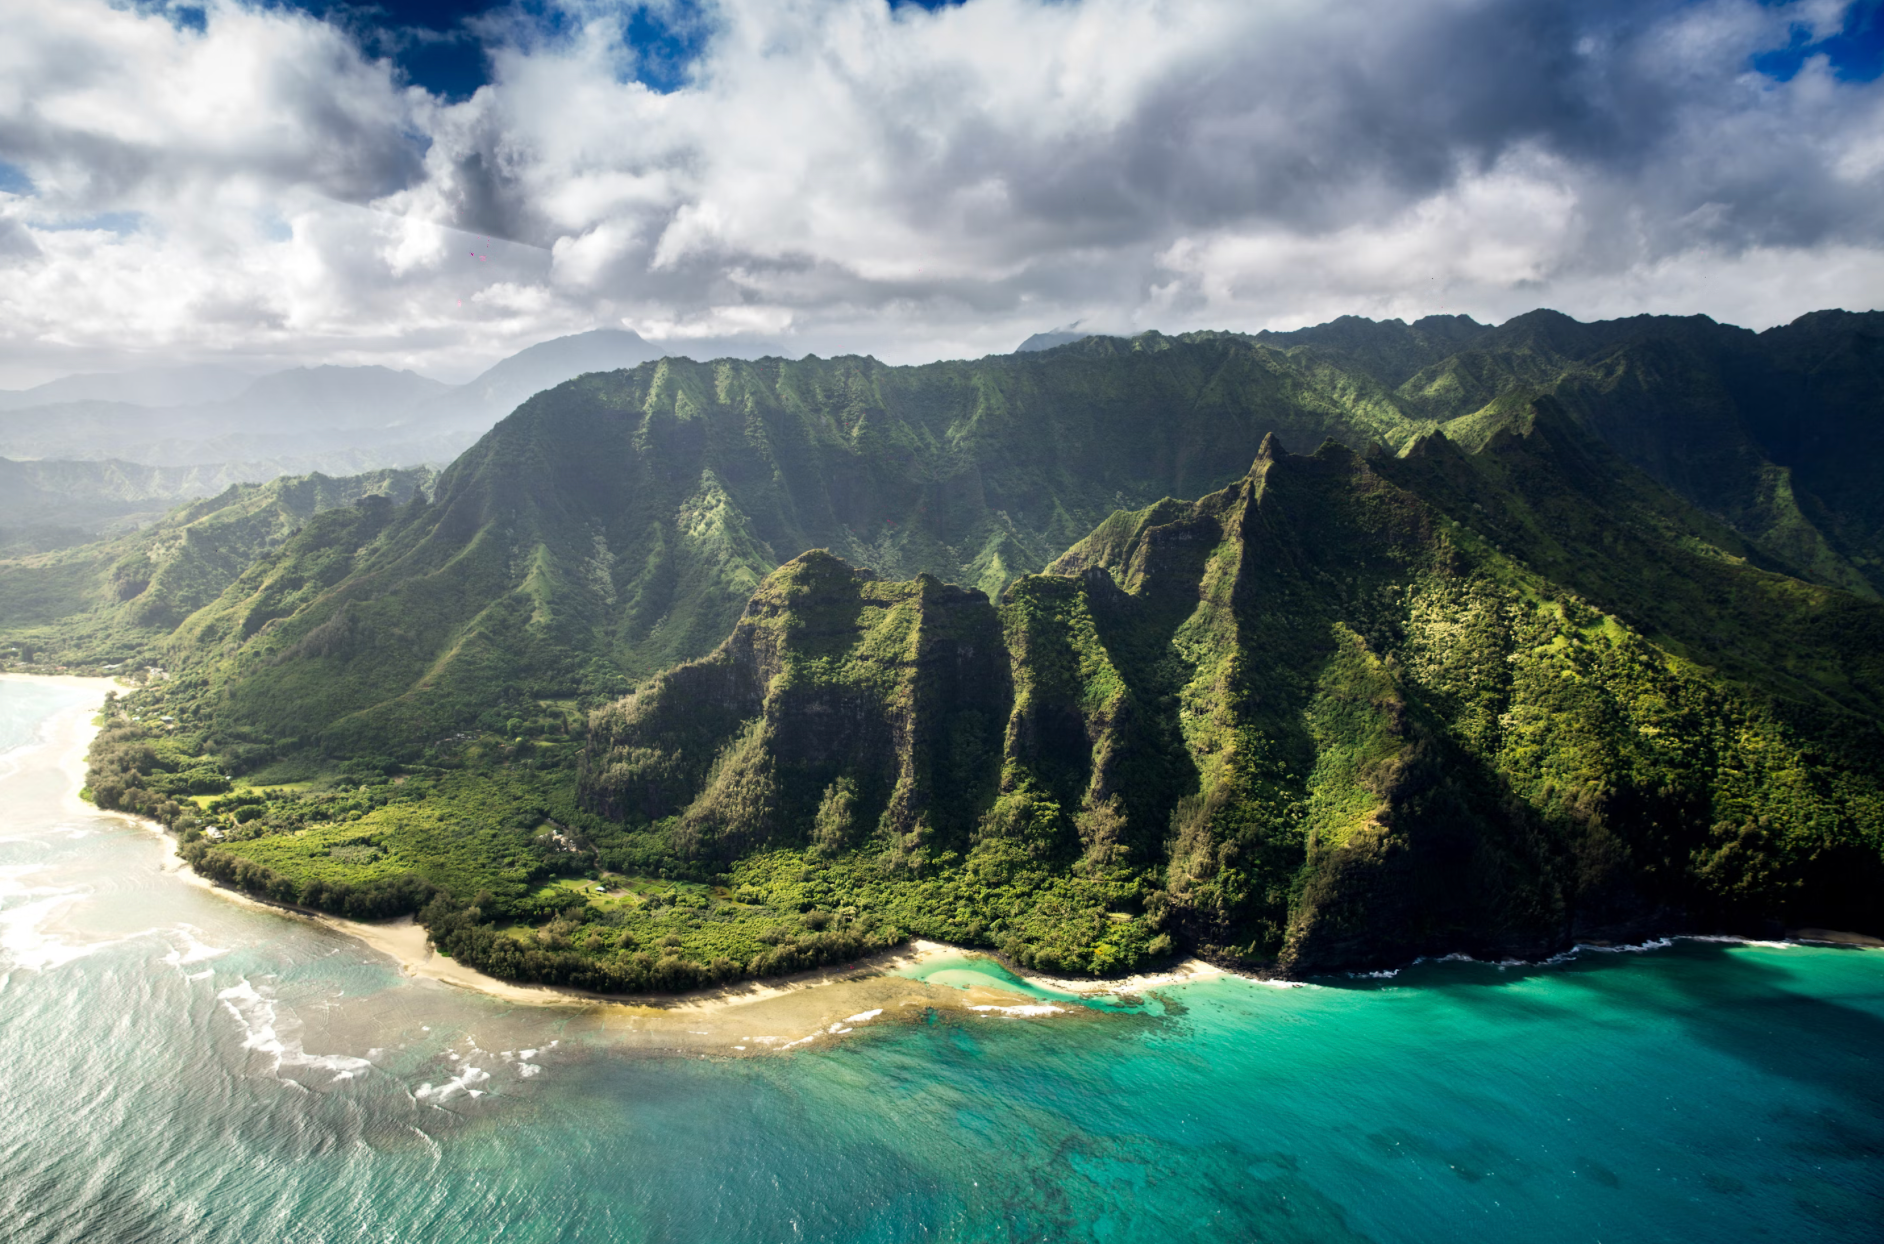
[{"x": 842, "y": 175}]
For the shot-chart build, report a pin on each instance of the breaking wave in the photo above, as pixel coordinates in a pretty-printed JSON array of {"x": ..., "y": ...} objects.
[{"x": 267, "y": 1032}]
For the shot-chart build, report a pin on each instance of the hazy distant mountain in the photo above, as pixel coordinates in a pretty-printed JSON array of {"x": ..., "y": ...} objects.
[
  {"x": 335, "y": 397},
  {"x": 549, "y": 363},
  {"x": 1046, "y": 341},
  {"x": 55, "y": 503},
  {"x": 149, "y": 386},
  {"x": 467, "y": 412},
  {"x": 78, "y": 492},
  {"x": 337, "y": 420},
  {"x": 306, "y": 414}
]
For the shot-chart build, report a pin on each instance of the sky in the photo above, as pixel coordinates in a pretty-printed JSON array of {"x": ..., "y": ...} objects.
[{"x": 434, "y": 185}]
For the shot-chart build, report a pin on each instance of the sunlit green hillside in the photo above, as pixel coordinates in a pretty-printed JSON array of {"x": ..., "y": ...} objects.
[
  {"x": 1563, "y": 631},
  {"x": 616, "y": 524}
]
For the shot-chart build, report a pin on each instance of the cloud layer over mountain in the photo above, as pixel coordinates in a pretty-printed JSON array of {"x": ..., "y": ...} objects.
[{"x": 841, "y": 174}]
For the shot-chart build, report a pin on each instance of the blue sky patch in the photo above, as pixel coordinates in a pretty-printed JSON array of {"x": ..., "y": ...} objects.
[
  {"x": 1856, "y": 52},
  {"x": 115, "y": 222},
  {"x": 184, "y": 16},
  {"x": 440, "y": 46},
  {"x": 666, "y": 47},
  {"x": 13, "y": 179},
  {"x": 427, "y": 39}
]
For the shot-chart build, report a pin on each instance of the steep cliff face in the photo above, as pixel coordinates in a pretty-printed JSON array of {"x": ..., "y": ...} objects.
[
  {"x": 616, "y": 525},
  {"x": 1333, "y": 818},
  {"x": 1333, "y": 716},
  {"x": 841, "y": 709}
]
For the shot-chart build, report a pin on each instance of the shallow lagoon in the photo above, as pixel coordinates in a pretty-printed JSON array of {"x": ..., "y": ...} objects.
[{"x": 182, "y": 1067}]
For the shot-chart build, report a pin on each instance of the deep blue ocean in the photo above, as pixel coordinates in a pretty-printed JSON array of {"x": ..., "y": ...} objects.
[{"x": 179, "y": 1067}]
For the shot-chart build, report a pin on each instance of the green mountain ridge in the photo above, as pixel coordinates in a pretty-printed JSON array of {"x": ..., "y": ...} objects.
[
  {"x": 615, "y": 525},
  {"x": 1309, "y": 721},
  {"x": 51, "y": 504},
  {"x": 120, "y": 598},
  {"x": 1566, "y": 631}
]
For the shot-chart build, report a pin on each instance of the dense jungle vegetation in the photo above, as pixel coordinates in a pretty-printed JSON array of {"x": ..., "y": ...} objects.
[{"x": 1572, "y": 631}]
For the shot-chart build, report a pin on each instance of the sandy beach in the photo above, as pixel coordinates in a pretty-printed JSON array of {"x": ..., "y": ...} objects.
[
  {"x": 748, "y": 1017},
  {"x": 816, "y": 1002},
  {"x": 68, "y": 734}
]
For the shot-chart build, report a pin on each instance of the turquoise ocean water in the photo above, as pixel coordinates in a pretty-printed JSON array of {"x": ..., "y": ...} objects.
[{"x": 177, "y": 1067}]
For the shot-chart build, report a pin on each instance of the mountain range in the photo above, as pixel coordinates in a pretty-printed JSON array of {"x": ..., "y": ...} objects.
[
  {"x": 144, "y": 386},
  {"x": 1562, "y": 630},
  {"x": 179, "y": 434}
]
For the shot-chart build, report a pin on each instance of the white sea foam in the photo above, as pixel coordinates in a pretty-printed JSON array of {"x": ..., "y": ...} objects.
[
  {"x": 188, "y": 948},
  {"x": 27, "y": 940},
  {"x": 12, "y": 879},
  {"x": 1628, "y": 948},
  {"x": 437, "y": 1153},
  {"x": 25, "y": 937},
  {"x": 1034, "y": 1009},
  {"x": 864, "y": 1017},
  {"x": 1582, "y": 948},
  {"x": 24, "y": 941},
  {"x": 266, "y": 1032},
  {"x": 466, "y": 1081},
  {"x": 522, "y": 1063}
]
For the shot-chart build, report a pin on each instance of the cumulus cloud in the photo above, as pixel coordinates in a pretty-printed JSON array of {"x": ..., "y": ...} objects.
[{"x": 841, "y": 174}]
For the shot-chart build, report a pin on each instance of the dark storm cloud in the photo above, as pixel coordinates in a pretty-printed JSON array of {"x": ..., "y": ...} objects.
[
  {"x": 887, "y": 176},
  {"x": 1304, "y": 120}
]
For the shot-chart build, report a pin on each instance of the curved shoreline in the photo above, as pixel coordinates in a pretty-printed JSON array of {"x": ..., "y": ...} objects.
[{"x": 69, "y": 733}]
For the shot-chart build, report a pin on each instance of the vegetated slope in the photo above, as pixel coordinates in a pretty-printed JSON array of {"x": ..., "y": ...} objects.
[
  {"x": 118, "y": 598},
  {"x": 1310, "y": 722},
  {"x": 52, "y": 504},
  {"x": 1774, "y": 433},
  {"x": 1351, "y": 709},
  {"x": 617, "y": 524}
]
